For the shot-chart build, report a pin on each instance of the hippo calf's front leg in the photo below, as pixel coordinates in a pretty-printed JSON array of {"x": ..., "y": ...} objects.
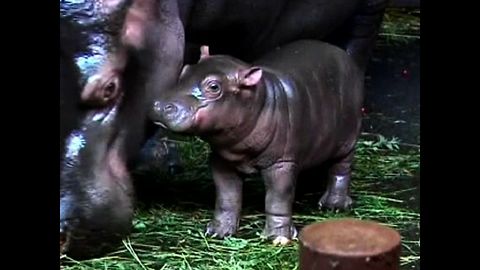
[
  {"x": 280, "y": 182},
  {"x": 228, "y": 203}
]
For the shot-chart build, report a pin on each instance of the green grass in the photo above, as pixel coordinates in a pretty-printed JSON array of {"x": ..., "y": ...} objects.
[
  {"x": 400, "y": 26},
  {"x": 169, "y": 235}
]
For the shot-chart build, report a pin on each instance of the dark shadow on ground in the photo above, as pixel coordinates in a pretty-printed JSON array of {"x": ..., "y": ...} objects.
[{"x": 392, "y": 99}]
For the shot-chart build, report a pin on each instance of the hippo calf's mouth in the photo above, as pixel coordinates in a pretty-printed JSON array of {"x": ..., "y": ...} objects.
[
  {"x": 197, "y": 116},
  {"x": 162, "y": 125},
  {"x": 191, "y": 119}
]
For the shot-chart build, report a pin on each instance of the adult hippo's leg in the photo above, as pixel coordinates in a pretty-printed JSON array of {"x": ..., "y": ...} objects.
[
  {"x": 160, "y": 154},
  {"x": 155, "y": 32},
  {"x": 359, "y": 34}
]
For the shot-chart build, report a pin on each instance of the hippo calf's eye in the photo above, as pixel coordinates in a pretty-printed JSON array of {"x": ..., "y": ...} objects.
[{"x": 212, "y": 89}]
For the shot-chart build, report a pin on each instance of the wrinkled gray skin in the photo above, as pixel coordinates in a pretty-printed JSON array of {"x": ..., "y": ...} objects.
[
  {"x": 133, "y": 50},
  {"x": 296, "y": 108}
]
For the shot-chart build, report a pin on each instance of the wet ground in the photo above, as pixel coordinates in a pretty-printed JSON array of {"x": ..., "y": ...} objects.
[{"x": 393, "y": 92}]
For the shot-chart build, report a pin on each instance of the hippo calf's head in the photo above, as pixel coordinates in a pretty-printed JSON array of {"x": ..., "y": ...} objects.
[{"x": 211, "y": 96}]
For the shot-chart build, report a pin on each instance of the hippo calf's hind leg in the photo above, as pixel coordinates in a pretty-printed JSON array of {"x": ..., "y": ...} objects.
[
  {"x": 228, "y": 185},
  {"x": 337, "y": 194},
  {"x": 280, "y": 182}
]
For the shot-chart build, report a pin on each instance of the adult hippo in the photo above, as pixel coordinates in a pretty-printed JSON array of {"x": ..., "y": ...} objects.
[
  {"x": 103, "y": 124},
  {"x": 95, "y": 189},
  {"x": 133, "y": 50}
]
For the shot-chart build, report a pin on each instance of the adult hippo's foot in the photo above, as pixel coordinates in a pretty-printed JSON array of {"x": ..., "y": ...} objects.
[
  {"x": 175, "y": 165},
  {"x": 160, "y": 154}
]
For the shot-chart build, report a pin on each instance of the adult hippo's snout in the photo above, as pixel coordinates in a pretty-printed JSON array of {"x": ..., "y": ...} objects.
[
  {"x": 66, "y": 220},
  {"x": 96, "y": 197},
  {"x": 93, "y": 223}
]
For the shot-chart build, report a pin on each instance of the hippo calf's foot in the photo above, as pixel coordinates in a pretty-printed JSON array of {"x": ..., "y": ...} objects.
[
  {"x": 335, "y": 201},
  {"x": 281, "y": 235},
  {"x": 222, "y": 228},
  {"x": 281, "y": 241},
  {"x": 336, "y": 197}
]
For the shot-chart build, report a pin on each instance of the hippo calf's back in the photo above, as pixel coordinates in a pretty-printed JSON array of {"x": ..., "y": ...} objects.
[{"x": 323, "y": 92}]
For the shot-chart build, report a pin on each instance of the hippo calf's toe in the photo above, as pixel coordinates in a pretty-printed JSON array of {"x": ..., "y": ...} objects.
[{"x": 296, "y": 108}]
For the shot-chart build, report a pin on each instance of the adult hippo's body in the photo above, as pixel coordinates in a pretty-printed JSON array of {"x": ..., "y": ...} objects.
[{"x": 132, "y": 50}]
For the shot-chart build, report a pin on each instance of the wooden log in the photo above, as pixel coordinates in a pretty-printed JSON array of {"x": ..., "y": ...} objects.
[{"x": 349, "y": 244}]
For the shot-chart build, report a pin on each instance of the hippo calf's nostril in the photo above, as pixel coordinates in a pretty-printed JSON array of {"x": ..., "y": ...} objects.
[{"x": 170, "y": 108}]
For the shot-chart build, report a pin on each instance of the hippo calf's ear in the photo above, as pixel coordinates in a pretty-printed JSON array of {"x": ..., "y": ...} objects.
[
  {"x": 250, "y": 77},
  {"x": 204, "y": 52},
  {"x": 138, "y": 17}
]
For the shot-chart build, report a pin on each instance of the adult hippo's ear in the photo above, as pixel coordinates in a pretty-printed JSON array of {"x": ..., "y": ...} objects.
[
  {"x": 101, "y": 90},
  {"x": 250, "y": 77},
  {"x": 109, "y": 6},
  {"x": 138, "y": 17}
]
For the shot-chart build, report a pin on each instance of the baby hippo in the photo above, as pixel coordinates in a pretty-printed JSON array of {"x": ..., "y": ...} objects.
[{"x": 295, "y": 108}]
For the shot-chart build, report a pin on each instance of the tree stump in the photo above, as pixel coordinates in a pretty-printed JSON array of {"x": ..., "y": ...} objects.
[{"x": 349, "y": 244}]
